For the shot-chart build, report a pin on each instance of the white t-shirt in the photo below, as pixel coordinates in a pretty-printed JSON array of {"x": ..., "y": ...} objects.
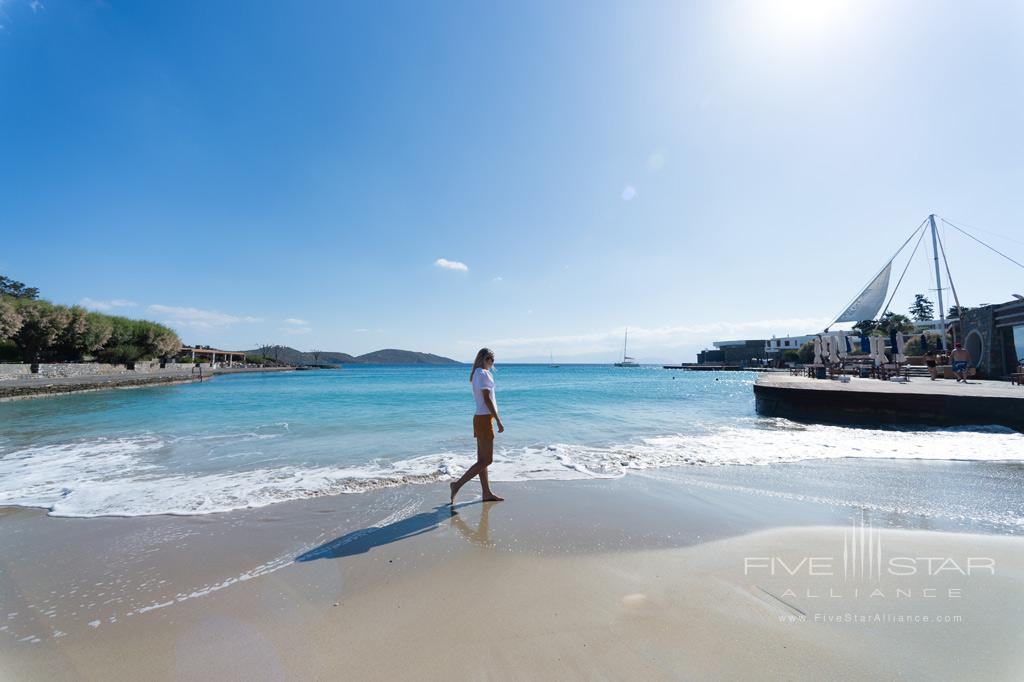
[{"x": 482, "y": 380}]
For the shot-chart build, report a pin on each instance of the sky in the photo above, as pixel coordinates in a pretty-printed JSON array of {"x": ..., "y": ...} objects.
[{"x": 533, "y": 176}]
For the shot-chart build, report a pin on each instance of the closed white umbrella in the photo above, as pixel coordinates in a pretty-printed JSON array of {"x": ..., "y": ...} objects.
[
  {"x": 817, "y": 351},
  {"x": 841, "y": 341},
  {"x": 878, "y": 350},
  {"x": 900, "y": 357},
  {"x": 833, "y": 349}
]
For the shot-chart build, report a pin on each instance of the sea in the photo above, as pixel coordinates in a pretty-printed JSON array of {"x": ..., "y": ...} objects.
[{"x": 251, "y": 440}]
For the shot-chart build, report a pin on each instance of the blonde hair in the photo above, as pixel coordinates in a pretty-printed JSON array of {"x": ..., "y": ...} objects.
[{"x": 482, "y": 356}]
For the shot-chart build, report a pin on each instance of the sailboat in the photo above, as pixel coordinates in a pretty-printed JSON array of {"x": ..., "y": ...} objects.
[
  {"x": 626, "y": 360},
  {"x": 551, "y": 360}
]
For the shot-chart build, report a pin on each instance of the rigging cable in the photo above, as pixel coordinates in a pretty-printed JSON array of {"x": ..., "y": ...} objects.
[
  {"x": 990, "y": 248},
  {"x": 952, "y": 286},
  {"x": 882, "y": 268},
  {"x": 994, "y": 234},
  {"x": 905, "y": 268}
]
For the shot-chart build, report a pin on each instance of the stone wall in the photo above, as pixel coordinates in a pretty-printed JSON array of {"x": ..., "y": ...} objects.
[
  {"x": 13, "y": 370},
  {"x": 79, "y": 369},
  {"x": 84, "y": 369},
  {"x": 59, "y": 369}
]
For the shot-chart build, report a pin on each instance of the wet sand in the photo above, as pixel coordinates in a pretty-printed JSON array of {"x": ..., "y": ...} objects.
[{"x": 640, "y": 577}]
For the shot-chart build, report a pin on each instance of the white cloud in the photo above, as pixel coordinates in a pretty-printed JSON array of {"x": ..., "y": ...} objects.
[
  {"x": 295, "y": 322},
  {"x": 657, "y": 160},
  {"x": 362, "y": 330},
  {"x": 451, "y": 265},
  {"x": 498, "y": 279},
  {"x": 201, "y": 319},
  {"x": 629, "y": 193},
  {"x": 93, "y": 304},
  {"x": 295, "y": 331},
  {"x": 667, "y": 337},
  {"x": 36, "y": 5}
]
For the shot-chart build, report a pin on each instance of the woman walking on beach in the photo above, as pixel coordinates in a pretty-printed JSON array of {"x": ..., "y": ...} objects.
[{"x": 483, "y": 424}]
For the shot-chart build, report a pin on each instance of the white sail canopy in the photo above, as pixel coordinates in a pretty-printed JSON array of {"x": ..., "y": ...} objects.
[{"x": 870, "y": 301}]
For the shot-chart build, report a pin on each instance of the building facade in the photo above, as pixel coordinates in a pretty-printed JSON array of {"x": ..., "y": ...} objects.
[
  {"x": 994, "y": 336},
  {"x": 780, "y": 344},
  {"x": 744, "y": 353}
]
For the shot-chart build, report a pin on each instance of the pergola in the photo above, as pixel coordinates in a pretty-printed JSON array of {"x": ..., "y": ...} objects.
[{"x": 228, "y": 356}]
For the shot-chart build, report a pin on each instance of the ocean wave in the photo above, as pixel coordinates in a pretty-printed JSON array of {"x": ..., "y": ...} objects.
[{"x": 118, "y": 476}]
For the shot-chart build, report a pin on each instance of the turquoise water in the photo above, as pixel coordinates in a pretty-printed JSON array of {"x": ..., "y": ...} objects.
[{"x": 254, "y": 439}]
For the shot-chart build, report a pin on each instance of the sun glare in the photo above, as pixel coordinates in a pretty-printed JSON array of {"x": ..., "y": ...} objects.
[{"x": 801, "y": 20}]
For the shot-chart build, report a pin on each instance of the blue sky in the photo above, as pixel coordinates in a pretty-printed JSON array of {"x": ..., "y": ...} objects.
[{"x": 283, "y": 173}]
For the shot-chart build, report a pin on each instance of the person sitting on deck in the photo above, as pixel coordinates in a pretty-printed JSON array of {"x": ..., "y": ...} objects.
[{"x": 960, "y": 357}]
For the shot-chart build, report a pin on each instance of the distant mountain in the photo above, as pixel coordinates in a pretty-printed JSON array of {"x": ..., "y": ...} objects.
[
  {"x": 388, "y": 356},
  {"x": 393, "y": 356}
]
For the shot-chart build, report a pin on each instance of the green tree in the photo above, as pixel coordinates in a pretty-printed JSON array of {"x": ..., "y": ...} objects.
[
  {"x": 36, "y": 330},
  {"x": 68, "y": 345},
  {"x": 922, "y": 310},
  {"x": 97, "y": 333},
  {"x": 913, "y": 346},
  {"x": 130, "y": 340},
  {"x": 10, "y": 319},
  {"x": 161, "y": 341},
  {"x": 9, "y": 287},
  {"x": 806, "y": 353},
  {"x": 85, "y": 334},
  {"x": 866, "y": 327},
  {"x": 955, "y": 312},
  {"x": 900, "y": 323},
  {"x": 42, "y": 325}
]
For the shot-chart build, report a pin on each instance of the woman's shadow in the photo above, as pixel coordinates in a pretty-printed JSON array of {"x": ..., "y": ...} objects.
[{"x": 363, "y": 540}]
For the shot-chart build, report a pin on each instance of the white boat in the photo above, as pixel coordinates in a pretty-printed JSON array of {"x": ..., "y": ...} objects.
[
  {"x": 551, "y": 362},
  {"x": 627, "y": 361}
]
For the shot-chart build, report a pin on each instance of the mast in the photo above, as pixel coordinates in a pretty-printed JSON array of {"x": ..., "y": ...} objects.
[
  {"x": 938, "y": 282},
  {"x": 624, "y": 341}
]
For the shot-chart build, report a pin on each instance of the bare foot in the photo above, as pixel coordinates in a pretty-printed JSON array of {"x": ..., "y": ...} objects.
[
  {"x": 452, "y": 487},
  {"x": 493, "y": 498}
]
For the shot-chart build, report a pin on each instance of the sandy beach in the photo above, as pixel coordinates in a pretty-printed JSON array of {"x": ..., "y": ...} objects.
[
  {"x": 680, "y": 577},
  {"x": 718, "y": 305}
]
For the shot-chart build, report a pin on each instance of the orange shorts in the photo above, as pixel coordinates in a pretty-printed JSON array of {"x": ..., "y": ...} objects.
[{"x": 483, "y": 426}]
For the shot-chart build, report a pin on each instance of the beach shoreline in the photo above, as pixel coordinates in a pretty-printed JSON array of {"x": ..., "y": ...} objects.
[{"x": 632, "y": 577}]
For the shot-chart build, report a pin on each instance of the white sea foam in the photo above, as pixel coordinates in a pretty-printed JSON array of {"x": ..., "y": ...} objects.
[{"x": 118, "y": 477}]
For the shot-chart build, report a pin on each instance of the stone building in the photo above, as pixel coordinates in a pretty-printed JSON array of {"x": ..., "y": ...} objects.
[{"x": 994, "y": 336}]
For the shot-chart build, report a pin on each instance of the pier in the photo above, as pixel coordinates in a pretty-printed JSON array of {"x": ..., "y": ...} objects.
[
  {"x": 697, "y": 367},
  {"x": 871, "y": 401}
]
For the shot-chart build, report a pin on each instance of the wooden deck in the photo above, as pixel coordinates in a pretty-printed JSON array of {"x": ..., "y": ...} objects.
[{"x": 870, "y": 401}]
